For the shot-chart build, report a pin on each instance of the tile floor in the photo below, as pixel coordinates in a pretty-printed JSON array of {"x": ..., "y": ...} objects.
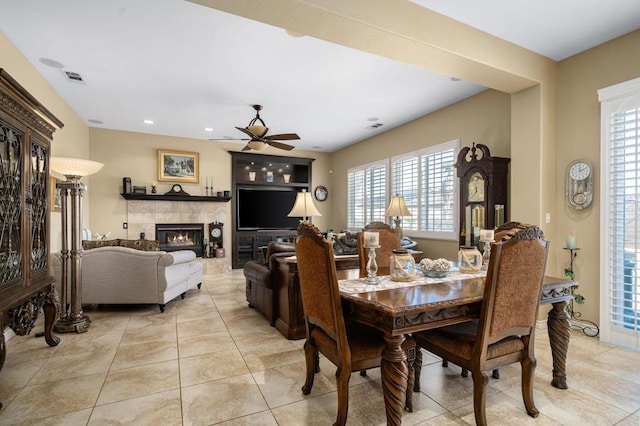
[{"x": 209, "y": 359}]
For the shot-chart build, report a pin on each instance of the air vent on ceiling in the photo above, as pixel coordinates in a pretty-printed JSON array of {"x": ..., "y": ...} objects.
[
  {"x": 73, "y": 77},
  {"x": 374, "y": 126}
]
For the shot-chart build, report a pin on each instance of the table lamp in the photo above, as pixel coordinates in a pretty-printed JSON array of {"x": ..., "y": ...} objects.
[
  {"x": 304, "y": 206},
  {"x": 71, "y": 192},
  {"x": 398, "y": 208}
]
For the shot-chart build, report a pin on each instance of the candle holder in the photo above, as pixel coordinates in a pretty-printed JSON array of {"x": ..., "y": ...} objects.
[
  {"x": 486, "y": 253},
  {"x": 372, "y": 266}
]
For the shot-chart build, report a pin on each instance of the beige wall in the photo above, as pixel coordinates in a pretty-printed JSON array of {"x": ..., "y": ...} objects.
[
  {"x": 579, "y": 138},
  {"x": 135, "y": 155},
  {"x": 483, "y": 118}
]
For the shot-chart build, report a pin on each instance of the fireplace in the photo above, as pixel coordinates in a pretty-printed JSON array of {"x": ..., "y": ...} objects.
[{"x": 180, "y": 236}]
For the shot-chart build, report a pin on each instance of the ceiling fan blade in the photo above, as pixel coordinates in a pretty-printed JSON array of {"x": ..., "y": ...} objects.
[
  {"x": 282, "y": 137},
  {"x": 247, "y": 132},
  {"x": 280, "y": 145}
]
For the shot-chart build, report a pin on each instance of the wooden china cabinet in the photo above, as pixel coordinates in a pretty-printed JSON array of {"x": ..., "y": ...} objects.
[
  {"x": 483, "y": 192},
  {"x": 26, "y": 286}
]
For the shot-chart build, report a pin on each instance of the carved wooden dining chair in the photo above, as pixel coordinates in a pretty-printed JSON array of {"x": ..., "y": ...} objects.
[
  {"x": 389, "y": 240},
  {"x": 504, "y": 333},
  {"x": 348, "y": 345}
]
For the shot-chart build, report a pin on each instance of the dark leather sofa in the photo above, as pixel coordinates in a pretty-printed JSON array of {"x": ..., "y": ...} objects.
[{"x": 261, "y": 290}]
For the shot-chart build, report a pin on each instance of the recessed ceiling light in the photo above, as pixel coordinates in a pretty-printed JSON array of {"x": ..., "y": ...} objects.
[
  {"x": 373, "y": 119},
  {"x": 374, "y": 126},
  {"x": 208, "y": 129},
  {"x": 148, "y": 121},
  {"x": 455, "y": 79},
  {"x": 316, "y": 147},
  {"x": 94, "y": 121},
  {"x": 50, "y": 63}
]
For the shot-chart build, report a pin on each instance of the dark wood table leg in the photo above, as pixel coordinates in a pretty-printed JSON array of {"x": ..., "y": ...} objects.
[
  {"x": 559, "y": 326},
  {"x": 394, "y": 378}
]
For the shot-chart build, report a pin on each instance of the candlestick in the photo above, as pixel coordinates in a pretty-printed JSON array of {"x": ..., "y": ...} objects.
[{"x": 372, "y": 266}]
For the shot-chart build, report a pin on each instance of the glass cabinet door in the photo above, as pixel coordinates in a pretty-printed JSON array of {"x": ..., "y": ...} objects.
[{"x": 11, "y": 166}]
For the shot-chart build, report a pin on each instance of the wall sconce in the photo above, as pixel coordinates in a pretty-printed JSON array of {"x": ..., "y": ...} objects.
[
  {"x": 72, "y": 191},
  {"x": 398, "y": 208},
  {"x": 304, "y": 206}
]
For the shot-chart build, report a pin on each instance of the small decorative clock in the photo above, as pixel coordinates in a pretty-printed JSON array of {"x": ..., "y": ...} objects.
[
  {"x": 215, "y": 231},
  {"x": 579, "y": 188},
  {"x": 321, "y": 193}
]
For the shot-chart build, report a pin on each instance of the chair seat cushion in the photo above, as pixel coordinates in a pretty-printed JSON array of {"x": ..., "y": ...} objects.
[
  {"x": 460, "y": 339},
  {"x": 365, "y": 342}
]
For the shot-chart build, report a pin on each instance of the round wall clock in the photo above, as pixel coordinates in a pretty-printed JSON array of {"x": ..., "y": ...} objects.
[
  {"x": 321, "y": 193},
  {"x": 579, "y": 190}
]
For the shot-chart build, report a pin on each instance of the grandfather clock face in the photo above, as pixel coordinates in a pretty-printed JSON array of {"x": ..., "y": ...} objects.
[{"x": 475, "y": 188}]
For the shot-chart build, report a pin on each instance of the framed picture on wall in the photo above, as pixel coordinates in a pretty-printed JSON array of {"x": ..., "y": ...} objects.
[
  {"x": 54, "y": 195},
  {"x": 178, "y": 166}
]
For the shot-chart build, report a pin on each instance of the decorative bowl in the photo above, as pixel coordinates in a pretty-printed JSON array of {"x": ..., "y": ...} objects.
[{"x": 434, "y": 274}]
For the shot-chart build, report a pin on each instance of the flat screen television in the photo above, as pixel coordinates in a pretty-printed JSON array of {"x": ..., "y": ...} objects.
[{"x": 260, "y": 208}]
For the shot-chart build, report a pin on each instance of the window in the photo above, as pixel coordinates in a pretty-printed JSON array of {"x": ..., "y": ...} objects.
[
  {"x": 426, "y": 179},
  {"x": 620, "y": 214},
  {"x": 367, "y": 195}
]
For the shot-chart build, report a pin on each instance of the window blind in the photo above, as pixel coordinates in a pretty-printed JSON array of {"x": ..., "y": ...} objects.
[{"x": 620, "y": 214}]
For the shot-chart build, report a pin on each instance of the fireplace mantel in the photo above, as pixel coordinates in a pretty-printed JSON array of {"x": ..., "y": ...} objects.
[{"x": 160, "y": 197}]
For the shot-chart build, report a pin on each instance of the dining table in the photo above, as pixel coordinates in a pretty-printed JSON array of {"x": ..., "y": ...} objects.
[{"x": 400, "y": 308}]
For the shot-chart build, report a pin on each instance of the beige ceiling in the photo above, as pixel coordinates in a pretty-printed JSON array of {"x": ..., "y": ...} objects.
[{"x": 358, "y": 63}]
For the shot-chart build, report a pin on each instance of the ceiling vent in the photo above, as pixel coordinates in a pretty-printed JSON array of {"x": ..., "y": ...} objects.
[
  {"x": 73, "y": 77},
  {"x": 374, "y": 126}
]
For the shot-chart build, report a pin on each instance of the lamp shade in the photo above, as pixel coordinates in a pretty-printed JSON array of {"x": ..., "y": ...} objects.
[
  {"x": 397, "y": 207},
  {"x": 257, "y": 145},
  {"x": 304, "y": 206},
  {"x": 68, "y": 166}
]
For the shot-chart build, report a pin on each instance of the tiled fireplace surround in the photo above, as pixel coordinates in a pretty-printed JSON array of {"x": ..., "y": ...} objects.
[{"x": 142, "y": 216}]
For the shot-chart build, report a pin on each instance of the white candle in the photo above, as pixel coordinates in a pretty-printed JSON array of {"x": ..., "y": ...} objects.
[
  {"x": 486, "y": 235},
  {"x": 571, "y": 241},
  {"x": 371, "y": 239}
]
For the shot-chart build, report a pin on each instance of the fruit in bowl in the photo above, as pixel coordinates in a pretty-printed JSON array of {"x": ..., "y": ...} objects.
[{"x": 438, "y": 268}]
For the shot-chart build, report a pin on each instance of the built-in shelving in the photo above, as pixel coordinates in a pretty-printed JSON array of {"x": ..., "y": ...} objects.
[{"x": 161, "y": 197}]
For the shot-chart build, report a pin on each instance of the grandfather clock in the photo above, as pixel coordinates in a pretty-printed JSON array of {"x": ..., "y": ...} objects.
[{"x": 483, "y": 191}]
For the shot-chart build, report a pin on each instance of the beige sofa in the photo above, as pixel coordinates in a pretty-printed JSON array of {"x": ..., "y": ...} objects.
[{"x": 123, "y": 275}]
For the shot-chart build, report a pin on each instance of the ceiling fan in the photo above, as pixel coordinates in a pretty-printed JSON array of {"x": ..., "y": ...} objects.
[{"x": 257, "y": 131}]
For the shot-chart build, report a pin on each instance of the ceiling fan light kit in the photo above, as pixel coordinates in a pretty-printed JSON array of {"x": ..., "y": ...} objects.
[{"x": 258, "y": 134}]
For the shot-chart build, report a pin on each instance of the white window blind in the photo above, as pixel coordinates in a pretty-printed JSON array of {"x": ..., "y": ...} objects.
[
  {"x": 426, "y": 179},
  {"x": 620, "y": 214},
  {"x": 367, "y": 194}
]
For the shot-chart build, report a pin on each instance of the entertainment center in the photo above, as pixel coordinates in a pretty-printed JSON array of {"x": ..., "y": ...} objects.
[{"x": 264, "y": 189}]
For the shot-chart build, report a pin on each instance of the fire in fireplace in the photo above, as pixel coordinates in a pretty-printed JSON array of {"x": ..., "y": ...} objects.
[{"x": 181, "y": 236}]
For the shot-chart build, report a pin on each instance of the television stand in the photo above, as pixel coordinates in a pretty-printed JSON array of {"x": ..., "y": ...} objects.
[{"x": 264, "y": 173}]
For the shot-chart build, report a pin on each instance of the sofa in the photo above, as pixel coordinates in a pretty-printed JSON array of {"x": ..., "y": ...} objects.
[
  {"x": 261, "y": 285},
  {"x": 115, "y": 273}
]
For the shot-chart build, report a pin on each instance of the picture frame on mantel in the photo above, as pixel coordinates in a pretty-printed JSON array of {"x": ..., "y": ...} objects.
[{"x": 178, "y": 166}]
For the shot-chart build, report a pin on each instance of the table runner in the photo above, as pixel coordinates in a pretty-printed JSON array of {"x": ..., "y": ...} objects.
[{"x": 359, "y": 286}]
